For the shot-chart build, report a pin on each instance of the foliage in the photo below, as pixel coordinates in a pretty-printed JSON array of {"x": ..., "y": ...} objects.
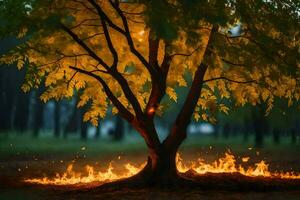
[{"x": 252, "y": 66}]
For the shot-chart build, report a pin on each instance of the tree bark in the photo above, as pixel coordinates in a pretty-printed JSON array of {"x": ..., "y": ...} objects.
[
  {"x": 178, "y": 131},
  {"x": 98, "y": 130},
  {"x": 57, "y": 119},
  {"x": 7, "y": 88},
  {"x": 226, "y": 130},
  {"x": 83, "y": 125},
  {"x": 119, "y": 130},
  {"x": 38, "y": 113},
  {"x": 276, "y": 136},
  {"x": 21, "y": 113},
  {"x": 161, "y": 167},
  {"x": 259, "y": 125},
  {"x": 293, "y": 136}
]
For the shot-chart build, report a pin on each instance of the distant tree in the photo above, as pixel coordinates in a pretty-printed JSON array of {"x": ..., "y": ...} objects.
[
  {"x": 83, "y": 124},
  {"x": 98, "y": 131},
  {"x": 72, "y": 123},
  {"x": 131, "y": 55},
  {"x": 293, "y": 136},
  {"x": 226, "y": 130},
  {"x": 6, "y": 99},
  {"x": 38, "y": 112},
  {"x": 260, "y": 125},
  {"x": 21, "y": 104},
  {"x": 118, "y": 133},
  {"x": 57, "y": 113}
]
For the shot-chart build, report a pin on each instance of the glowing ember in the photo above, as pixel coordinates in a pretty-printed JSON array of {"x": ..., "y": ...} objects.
[{"x": 226, "y": 164}]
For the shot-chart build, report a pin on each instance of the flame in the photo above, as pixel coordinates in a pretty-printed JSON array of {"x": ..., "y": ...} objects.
[
  {"x": 70, "y": 177},
  {"x": 226, "y": 164}
]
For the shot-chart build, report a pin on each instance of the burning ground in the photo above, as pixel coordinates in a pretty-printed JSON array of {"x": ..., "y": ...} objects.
[
  {"x": 226, "y": 165},
  {"x": 51, "y": 173}
]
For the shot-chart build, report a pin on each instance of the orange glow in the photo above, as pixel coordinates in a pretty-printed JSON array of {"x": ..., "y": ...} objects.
[
  {"x": 245, "y": 159},
  {"x": 151, "y": 110},
  {"x": 226, "y": 164},
  {"x": 70, "y": 177}
]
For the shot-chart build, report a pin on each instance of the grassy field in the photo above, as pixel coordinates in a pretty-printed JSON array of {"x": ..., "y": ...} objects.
[{"x": 23, "y": 156}]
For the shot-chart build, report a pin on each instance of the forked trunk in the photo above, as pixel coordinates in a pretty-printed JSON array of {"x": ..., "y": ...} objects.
[
  {"x": 161, "y": 164},
  {"x": 161, "y": 168}
]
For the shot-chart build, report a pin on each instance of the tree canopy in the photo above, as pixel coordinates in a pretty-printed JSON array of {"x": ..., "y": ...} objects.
[{"x": 118, "y": 52}]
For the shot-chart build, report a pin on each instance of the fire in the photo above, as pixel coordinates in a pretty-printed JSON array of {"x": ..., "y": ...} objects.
[
  {"x": 70, "y": 177},
  {"x": 226, "y": 164}
]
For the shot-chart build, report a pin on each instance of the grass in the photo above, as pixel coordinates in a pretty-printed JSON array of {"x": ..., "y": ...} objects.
[
  {"x": 18, "y": 151},
  {"x": 13, "y": 145},
  {"x": 17, "y": 146}
]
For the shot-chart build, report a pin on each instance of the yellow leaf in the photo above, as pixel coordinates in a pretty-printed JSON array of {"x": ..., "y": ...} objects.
[
  {"x": 171, "y": 93},
  {"x": 224, "y": 108}
]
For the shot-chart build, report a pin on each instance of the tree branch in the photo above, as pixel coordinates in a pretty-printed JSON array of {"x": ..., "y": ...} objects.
[
  {"x": 262, "y": 48},
  {"x": 230, "y": 80},
  {"x": 91, "y": 36},
  {"x": 153, "y": 42},
  {"x": 109, "y": 43},
  {"x": 106, "y": 18},
  {"x": 85, "y": 46},
  {"x": 114, "y": 72},
  {"x": 130, "y": 42},
  {"x": 178, "y": 132},
  {"x": 232, "y": 63},
  {"x": 82, "y": 22},
  {"x": 186, "y": 54},
  {"x": 123, "y": 111},
  {"x": 159, "y": 86},
  {"x": 241, "y": 82}
]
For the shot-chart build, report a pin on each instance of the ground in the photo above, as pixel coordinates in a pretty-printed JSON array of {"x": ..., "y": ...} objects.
[{"x": 23, "y": 157}]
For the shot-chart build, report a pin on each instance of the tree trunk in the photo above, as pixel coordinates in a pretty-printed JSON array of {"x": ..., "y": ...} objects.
[
  {"x": 57, "y": 119},
  {"x": 216, "y": 131},
  {"x": 7, "y": 84},
  {"x": 260, "y": 125},
  {"x": 74, "y": 122},
  {"x": 226, "y": 131},
  {"x": 293, "y": 136},
  {"x": 118, "y": 134},
  {"x": 98, "y": 131},
  {"x": 276, "y": 136},
  {"x": 161, "y": 165},
  {"x": 83, "y": 130},
  {"x": 38, "y": 113},
  {"x": 83, "y": 125},
  {"x": 246, "y": 130},
  {"x": 160, "y": 168}
]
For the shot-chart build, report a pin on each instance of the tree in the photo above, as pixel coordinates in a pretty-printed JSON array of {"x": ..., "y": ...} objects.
[
  {"x": 57, "y": 119},
  {"x": 260, "y": 125},
  {"x": 131, "y": 55},
  {"x": 118, "y": 133},
  {"x": 38, "y": 116}
]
